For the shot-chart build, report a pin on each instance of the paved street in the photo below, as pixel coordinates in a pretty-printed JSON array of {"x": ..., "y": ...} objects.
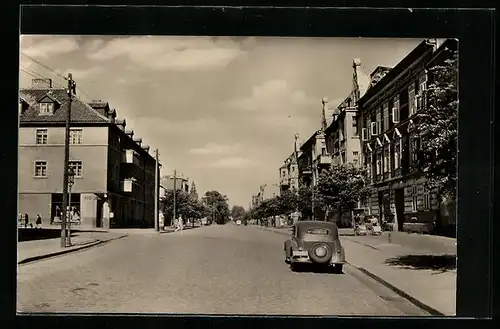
[{"x": 223, "y": 269}]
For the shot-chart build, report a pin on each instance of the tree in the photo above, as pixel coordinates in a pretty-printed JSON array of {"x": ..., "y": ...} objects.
[
  {"x": 186, "y": 205},
  {"x": 340, "y": 187},
  {"x": 238, "y": 212},
  {"x": 304, "y": 201},
  {"x": 287, "y": 203},
  {"x": 437, "y": 129},
  {"x": 217, "y": 206}
]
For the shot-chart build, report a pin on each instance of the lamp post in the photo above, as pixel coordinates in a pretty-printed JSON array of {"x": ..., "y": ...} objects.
[{"x": 71, "y": 181}]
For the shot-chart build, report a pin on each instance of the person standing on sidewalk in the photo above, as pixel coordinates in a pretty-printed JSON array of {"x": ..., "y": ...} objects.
[
  {"x": 26, "y": 220},
  {"x": 38, "y": 221}
]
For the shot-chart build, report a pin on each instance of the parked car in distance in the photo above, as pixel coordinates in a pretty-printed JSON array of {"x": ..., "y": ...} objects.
[
  {"x": 361, "y": 229},
  {"x": 314, "y": 242},
  {"x": 376, "y": 229},
  {"x": 238, "y": 222}
]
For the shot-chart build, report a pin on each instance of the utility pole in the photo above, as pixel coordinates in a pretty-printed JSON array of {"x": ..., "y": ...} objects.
[
  {"x": 71, "y": 90},
  {"x": 157, "y": 169},
  {"x": 175, "y": 192}
]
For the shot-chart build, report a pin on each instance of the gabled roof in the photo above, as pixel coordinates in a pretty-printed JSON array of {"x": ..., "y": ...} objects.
[
  {"x": 50, "y": 96},
  {"x": 80, "y": 111}
]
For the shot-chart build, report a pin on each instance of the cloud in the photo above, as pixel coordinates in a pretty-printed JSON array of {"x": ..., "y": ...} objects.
[
  {"x": 274, "y": 96},
  {"x": 85, "y": 73},
  {"x": 231, "y": 163},
  {"x": 48, "y": 47},
  {"x": 212, "y": 148},
  {"x": 171, "y": 53}
]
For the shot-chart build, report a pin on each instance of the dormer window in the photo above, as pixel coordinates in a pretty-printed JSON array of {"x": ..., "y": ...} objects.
[{"x": 46, "y": 108}]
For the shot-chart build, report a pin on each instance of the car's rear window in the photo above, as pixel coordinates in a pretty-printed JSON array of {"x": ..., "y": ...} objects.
[{"x": 323, "y": 231}]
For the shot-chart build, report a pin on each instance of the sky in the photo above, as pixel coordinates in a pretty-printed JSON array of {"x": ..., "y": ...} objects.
[{"x": 222, "y": 111}]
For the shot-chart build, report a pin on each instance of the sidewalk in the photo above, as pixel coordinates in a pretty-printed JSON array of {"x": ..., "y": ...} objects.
[
  {"x": 29, "y": 251},
  {"x": 418, "y": 267}
]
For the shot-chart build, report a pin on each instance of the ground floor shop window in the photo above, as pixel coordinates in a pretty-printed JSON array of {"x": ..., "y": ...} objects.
[{"x": 414, "y": 199}]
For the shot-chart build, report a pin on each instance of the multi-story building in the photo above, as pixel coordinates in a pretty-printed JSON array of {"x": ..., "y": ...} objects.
[
  {"x": 289, "y": 174},
  {"x": 114, "y": 183},
  {"x": 342, "y": 135},
  {"x": 388, "y": 113}
]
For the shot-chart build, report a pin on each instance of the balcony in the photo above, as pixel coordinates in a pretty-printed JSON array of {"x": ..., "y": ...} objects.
[
  {"x": 324, "y": 159},
  {"x": 130, "y": 156},
  {"x": 128, "y": 185}
]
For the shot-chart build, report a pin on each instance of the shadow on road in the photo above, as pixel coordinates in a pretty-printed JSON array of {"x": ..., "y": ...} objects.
[
  {"x": 309, "y": 268},
  {"x": 440, "y": 263}
]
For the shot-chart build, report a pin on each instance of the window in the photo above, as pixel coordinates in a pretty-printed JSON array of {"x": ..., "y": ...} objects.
[
  {"x": 396, "y": 111},
  {"x": 386, "y": 116},
  {"x": 411, "y": 100},
  {"x": 75, "y": 136},
  {"x": 397, "y": 153},
  {"x": 414, "y": 146},
  {"x": 321, "y": 231},
  {"x": 414, "y": 199},
  {"x": 379, "y": 120},
  {"x": 77, "y": 168},
  {"x": 379, "y": 163},
  {"x": 387, "y": 164},
  {"x": 46, "y": 108},
  {"x": 427, "y": 199},
  {"x": 369, "y": 164},
  {"x": 40, "y": 168},
  {"x": 323, "y": 151},
  {"x": 355, "y": 158},
  {"x": 364, "y": 134},
  {"x": 41, "y": 136},
  {"x": 373, "y": 129}
]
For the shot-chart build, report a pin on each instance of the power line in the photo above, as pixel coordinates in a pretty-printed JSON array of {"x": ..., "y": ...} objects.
[
  {"x": 35, "y": 74},
  {"x": 45, "y": 66}
]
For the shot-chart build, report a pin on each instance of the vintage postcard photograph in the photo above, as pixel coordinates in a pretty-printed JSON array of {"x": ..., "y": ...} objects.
[{"x": 237, "y": 175}]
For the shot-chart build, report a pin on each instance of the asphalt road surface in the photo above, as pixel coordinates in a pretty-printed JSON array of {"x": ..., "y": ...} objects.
[{"x": 225, "y": 269}]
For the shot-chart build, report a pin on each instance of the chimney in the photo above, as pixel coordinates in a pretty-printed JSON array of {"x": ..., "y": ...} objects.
[
  {"x": 146, "y": 147},
  {"x": 112, "y": 115},
  {"x": 41, "y": 83}
]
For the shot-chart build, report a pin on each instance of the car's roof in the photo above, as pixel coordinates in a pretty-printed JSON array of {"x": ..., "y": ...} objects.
[{"x": 315, "y": 223}]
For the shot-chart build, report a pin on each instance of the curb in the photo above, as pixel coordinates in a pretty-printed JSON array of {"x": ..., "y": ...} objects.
[
  {"x": 67, "y": 251},
  {"x": 400, "y": 292}
]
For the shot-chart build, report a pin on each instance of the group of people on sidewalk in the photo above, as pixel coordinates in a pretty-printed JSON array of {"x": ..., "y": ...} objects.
[{"x": 23, "y": 220}]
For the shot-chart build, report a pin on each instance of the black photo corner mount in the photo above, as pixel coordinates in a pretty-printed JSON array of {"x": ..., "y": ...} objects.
[{"x": 475, "y": 31}]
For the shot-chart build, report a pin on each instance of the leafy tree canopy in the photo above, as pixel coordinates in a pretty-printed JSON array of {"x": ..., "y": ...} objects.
[
  {"x": 341, "y": 187},
  {"x": 437, "y": 128}
]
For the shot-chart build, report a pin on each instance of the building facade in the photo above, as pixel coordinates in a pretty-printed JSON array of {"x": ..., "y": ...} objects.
[
  {"x": 388, "y": 115},
  {"x": 114, "y": 173},
  {"x": 289, "y": 174}
]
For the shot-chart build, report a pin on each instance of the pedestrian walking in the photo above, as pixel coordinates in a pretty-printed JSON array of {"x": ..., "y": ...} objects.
[
  {"x": 26, "y": 220},
  {"x": 20, "y": 220},
  {"x": 38, "y": 221}
]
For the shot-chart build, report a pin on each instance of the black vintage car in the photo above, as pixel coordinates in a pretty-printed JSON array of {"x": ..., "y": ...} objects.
[{"x": 315, "y": 243}]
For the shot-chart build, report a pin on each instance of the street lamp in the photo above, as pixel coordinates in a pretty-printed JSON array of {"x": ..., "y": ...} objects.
[{"x": 71, "y": 181}]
